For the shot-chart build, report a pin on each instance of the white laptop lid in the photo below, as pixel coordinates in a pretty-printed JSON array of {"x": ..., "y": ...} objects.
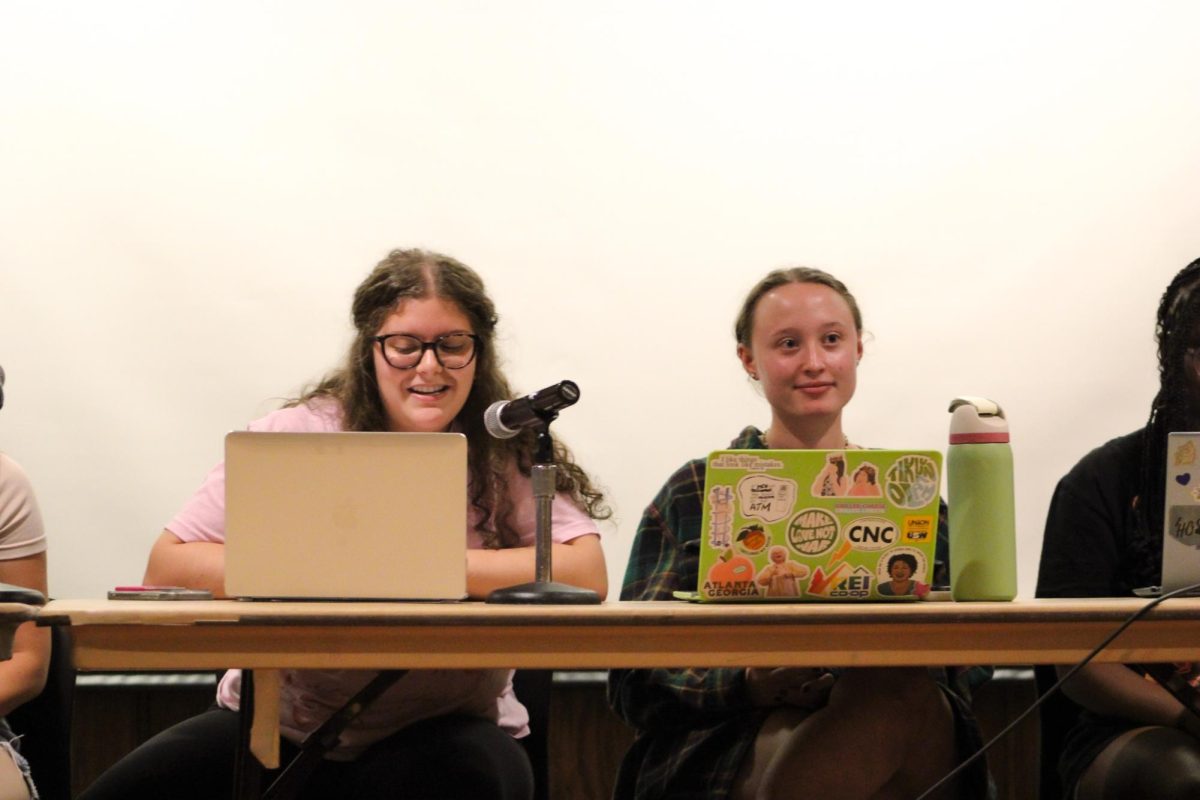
[
  {"x": 346, "y": 515},
  {"x": 1181, "y": 512}
]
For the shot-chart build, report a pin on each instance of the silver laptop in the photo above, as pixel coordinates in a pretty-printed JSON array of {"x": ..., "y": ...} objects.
[
  {"x": 1181, "y": 513},
  {"x": 330, "y": 516}
]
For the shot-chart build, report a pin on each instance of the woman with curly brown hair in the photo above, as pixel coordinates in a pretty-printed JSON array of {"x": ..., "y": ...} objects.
[{"x": 423, "y": 360}]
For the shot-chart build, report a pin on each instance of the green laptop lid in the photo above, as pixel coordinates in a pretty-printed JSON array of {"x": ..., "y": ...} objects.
[{"x": 819, "y": 525}]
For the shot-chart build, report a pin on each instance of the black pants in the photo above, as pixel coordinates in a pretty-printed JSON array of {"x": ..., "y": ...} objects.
[{"x": 446, "y": 757}]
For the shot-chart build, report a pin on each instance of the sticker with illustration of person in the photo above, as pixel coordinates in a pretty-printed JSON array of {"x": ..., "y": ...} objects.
[
  {"x": 864, "y": 481},
  {"x": 832, "y": 480},
  {"x": 901, "y": 573},
  {"x": 781, "y": 576}
]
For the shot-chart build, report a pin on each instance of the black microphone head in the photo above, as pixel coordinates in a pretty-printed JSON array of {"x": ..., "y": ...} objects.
[
  {"x": 504, "y": 419},
  {"x": 569, "y": 391},
  {"x": 556, "y": 397},
  {"x": 491, "y": 421}
]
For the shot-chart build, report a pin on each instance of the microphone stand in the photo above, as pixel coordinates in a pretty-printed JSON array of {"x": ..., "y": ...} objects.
[{"x": 543, "y": 476}]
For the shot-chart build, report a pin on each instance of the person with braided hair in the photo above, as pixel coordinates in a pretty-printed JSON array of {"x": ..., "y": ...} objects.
[{"x": 1103, "y": 538}]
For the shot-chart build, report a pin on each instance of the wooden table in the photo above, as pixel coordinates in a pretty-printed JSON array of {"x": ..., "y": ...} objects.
[{"x": 268, "y": 637}]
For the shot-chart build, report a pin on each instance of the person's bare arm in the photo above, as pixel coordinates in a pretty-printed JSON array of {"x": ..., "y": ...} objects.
[
  {"x": 196, "y": 565},
  {"x": 1115, "y": 690},
  {"x": 579, "y": 562},
  {"x": 23, "y": 676}
]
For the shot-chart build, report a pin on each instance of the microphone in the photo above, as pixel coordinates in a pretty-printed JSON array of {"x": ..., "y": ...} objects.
[
  {"x": 504, "y": 419},
  {"x": 1, "y": 387}
]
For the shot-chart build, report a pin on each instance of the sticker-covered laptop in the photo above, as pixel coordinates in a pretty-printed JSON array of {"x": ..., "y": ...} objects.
[
  {"x": 819, "y": 525},
  {"x": 1181, "y": 512}
]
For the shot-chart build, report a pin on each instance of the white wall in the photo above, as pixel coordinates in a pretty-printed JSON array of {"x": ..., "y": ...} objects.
[{"x": 189, "y": 193}]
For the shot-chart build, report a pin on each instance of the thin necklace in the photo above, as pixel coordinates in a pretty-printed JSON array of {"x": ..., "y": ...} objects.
[{"x": 767, "y": 444}]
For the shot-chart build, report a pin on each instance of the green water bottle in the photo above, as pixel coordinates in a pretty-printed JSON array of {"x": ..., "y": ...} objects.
[{"x": 979, "y": 476}]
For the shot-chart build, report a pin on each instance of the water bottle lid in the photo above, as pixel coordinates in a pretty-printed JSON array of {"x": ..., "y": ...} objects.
[{"x": 977, "y": 420}]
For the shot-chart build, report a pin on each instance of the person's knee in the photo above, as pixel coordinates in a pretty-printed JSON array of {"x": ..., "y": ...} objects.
[
  {"x": 492, "y": 765},
  {"x": 456, "y": 757},
  {"x": 1176, "y": 786},
  {"x": 13, "y": 774},
  {"x": 1164, "y": 763},
  {"x": 1175, "y": 760},
  {"x": 192, "y": 759},
  {"x": 495, "y": 779}
]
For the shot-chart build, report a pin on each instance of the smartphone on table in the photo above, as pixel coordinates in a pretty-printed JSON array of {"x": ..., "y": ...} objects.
[{"x": 158, "y": 593}]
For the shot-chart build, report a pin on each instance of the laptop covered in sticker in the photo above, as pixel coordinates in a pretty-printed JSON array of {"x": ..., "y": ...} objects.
[
  {"x": 1181, "y": 512},
  {"x": 819, "y": 525},
  {"x": 345, "y": 515}
]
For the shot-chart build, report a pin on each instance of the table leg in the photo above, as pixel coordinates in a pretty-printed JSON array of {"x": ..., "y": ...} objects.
[{"x": 264, "y": 724}]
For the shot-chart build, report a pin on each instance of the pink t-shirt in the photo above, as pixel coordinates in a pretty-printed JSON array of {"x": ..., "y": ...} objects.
[
  {"x": 21, "y": 530},
  {"x": 310, "y": 696}
]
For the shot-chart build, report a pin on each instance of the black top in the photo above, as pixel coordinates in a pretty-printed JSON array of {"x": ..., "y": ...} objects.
[{"x": 1095, "y": 545}]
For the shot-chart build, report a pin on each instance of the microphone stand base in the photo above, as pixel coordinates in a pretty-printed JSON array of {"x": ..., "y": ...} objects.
[{"x": 545, "y": 593}]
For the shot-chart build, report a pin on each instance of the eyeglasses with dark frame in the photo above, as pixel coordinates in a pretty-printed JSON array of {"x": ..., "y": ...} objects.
[{"x": 452, "y": 350}]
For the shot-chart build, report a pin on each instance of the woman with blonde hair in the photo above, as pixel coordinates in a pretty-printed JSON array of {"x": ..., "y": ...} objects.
[{"x": 759, "y": 734}]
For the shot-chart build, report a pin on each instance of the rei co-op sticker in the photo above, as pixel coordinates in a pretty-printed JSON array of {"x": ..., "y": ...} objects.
[
  {"x": 841, "y": 581},
  {"x": 1185, "y": 525},
  {"x": 911, "y": 482}
]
